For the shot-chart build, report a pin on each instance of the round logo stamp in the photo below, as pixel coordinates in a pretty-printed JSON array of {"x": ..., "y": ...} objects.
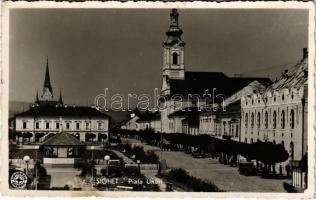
[{"x": 18, "y": 180}]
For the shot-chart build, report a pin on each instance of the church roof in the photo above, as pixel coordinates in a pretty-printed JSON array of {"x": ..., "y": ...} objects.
[
  {"x": 65, "y": 111},
  {"x": 198, "y": 82},
  {"x": 62, "y": 139},
  {"x": 148, "y": 116}
]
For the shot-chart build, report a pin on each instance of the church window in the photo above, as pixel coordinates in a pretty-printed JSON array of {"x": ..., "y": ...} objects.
[
  {"x": 252, "y": 120},
  {"x": 246, "y": 120},
  {"x": 175, "y": 58},
  {"x": 236, "y": 131}
]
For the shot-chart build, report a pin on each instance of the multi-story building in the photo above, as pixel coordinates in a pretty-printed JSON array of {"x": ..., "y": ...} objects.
[
  {"x": 226, "y": 122},
  {"x": 48, "y": 116},
  {"x": 279, "y": 114}
]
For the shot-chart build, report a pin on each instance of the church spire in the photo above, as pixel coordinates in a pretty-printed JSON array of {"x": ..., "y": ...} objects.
[
  {"x": 47, "y": 83},
  {"x": 60, "y": 101},
  {"x": 36, "y": 98},
  {"x": 47, "y": 88},
  {"x": 174, "y": 33}
]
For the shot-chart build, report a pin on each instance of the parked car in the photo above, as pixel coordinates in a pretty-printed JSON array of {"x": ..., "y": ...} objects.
[
  {"x": 247, "y": 168},
  {"x": 197, "y": 154}
]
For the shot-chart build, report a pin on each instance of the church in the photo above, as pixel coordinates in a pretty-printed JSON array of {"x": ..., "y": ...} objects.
[
  {"x": 48, "y": 116},
  {"x": 183, "y": 92}
]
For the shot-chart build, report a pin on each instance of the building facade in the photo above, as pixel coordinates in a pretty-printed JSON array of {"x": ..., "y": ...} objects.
[
  {"x": 226, "y": 122},
  {"x": 48, "y": 116},
  {"x": 279, "y": 114}
]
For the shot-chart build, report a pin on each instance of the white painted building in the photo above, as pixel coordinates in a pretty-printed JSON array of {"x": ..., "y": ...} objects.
[
  {"x": 48, "y": 116},
  {"x": 279, "y": 114}
]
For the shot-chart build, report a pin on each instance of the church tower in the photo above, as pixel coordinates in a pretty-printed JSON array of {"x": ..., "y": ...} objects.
[
  {"x": 173, "y": 52},
  {"x": 47, "y": 93}
]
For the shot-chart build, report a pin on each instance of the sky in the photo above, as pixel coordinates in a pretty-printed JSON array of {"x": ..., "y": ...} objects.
[{"x": 121, "y": 49}]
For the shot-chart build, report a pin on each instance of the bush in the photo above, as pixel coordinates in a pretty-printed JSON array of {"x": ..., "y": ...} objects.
[{"x": 198, "y": 185}]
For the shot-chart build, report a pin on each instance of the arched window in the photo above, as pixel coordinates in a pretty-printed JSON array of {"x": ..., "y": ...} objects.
[
  {"x": 251, "y": 141},
  {"x": 274, "y": 119},
  {"x": 252, "y": 120},
  {"x": 258, "y": 120},
  {"x": 246, "y": 120},
  {"x": 292, "y": 119},
  {"x": 175, "y": 58},
  {"x": 292, "y": 151},
  {"x": 266, "y": 120},
  {"x": 282, "y": 119}
]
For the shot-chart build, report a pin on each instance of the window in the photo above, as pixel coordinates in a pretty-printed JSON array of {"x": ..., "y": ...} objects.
[
  {"x": 37, "y": 125},
  {"x": 245, "y": 140},
  {"x": 24, "y": 125},
  {"x": 87, "y": 125},
  {"x": 236, "y": 131},
  {"x": 282, "y": 143},
  {"x": 292, "y": 119},
  {"x": 282, "y": 97},
  {"x": 175, "y": 58},
  {"x": 292, "y": 151},
  {"x": 47, "y": 125},
  {"x": 274, "y": 119},
  {"x": 258, "y": 120},
  {"x": 57, "y": 125},
  {"x": 99, "y": 125},
  {"x": 283, "y": 119},
  {"x": 67, "y": 125},
  {"x": 224, "y": 127},
  {"x": 246, "y": 120},
  {"x": 266, "y": 119},
  {"x": 77, "y": 125},
  {"x": 252, "y": 120},
  {"x": 251, "y": 140}
]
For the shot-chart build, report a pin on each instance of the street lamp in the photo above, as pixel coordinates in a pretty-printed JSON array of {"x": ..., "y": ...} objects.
[
  {"x": 107, "y": 159},
  {"x": 27, "y": 160},
  {"x": 92, "y": 162},
  {"x": 138, "y": 164}
]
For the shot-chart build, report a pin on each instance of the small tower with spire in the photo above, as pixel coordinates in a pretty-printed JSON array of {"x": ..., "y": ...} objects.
[
  {"x": 173, "y": 52},
  {"x": 47, "y": 94},
  {"x": 60, "y": 101}
]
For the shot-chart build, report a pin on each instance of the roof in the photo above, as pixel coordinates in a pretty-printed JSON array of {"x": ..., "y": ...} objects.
[
  {"x": 188, "y": 111},
  {"x": 199, "y": 82},
  {"x": 192, "y": 120},
  {"x": 62, "y": 139},
  {"x": 65, "y": 111},
  {"x": 294, "y": 77},
  {"x": 148, "y": 116}
]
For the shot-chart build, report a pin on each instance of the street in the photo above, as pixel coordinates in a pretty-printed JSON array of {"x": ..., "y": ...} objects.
[{"x": 223, "y": 176}]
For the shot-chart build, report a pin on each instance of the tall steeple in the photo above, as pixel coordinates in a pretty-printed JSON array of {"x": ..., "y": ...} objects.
[
  {"x": 60, "y": 101},
  {"x": 47, "y": 88},
  {"x": 36, "y": 98},
  {"x": 173, "y": 55}
]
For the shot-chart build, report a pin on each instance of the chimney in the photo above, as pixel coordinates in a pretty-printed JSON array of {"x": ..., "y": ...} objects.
[{"x": 305, "y": 53}]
